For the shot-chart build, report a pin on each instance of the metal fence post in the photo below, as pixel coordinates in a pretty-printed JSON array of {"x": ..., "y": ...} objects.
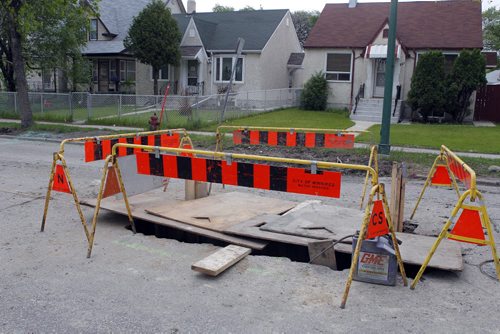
[
  {"x": 15, "y": 102},
  {"x": 265, "y": 100},
  {"x": 248, "y": 103},
  {"x": 89, "y": 105},
  {"x": 120, "y": 106},
  {"x": 70, "y": 105},
  {"x": 41, "y": 103}
]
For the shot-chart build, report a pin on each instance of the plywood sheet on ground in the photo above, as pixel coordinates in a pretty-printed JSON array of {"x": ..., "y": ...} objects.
[
  {"x": 221, "y": 211},
  {"x": 274, "y": 228},
  {"x": 139, "y": 202}
]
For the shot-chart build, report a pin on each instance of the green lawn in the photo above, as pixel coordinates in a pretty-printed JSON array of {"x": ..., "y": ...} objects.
[
  {"x": 294, "y": 118},
  {"x": 464, "y": 138}
]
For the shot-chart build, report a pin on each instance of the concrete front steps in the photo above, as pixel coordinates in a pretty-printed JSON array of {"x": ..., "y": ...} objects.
[{"x": 370, "y": 110}]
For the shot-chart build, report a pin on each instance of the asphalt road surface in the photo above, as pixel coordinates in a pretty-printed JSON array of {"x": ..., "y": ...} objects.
[{"x": 142, "y": 284}]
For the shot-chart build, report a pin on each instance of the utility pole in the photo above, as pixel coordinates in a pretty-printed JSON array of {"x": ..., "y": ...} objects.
[{"x": 384, "y": 146}]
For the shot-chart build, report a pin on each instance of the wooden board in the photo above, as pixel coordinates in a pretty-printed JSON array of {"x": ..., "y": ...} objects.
[
  {"x": 413, "y": 250},
  {"x": 323, "y": 253},
  {"x": 139, "y": 202},
  {"x": 219, "y": 261},
  {"x": 221, "y": 211}
]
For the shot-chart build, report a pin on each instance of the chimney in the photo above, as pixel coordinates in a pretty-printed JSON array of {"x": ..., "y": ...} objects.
[
  {"x": 191, "y": 6},
  {"x": 352, "y": 3}
]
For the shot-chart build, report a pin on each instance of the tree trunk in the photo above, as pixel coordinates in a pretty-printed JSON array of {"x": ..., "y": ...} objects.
[
  {"x": 20, "y": 74},
  {"x": 6, "y": 65},
  {"x": 155, "y": 80}
]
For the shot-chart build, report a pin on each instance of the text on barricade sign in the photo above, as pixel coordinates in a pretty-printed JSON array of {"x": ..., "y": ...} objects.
[{"x": 378, "y": 222}]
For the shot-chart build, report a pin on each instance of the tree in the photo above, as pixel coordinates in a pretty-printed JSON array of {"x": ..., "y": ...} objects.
[
  {"x": 247, "y": 8},
  {"x": 427, "y": 92},
  {"x": 222, "y": 9},
  {"x": 468, "y": 73},
  {"x": 491, "y": 28},
  {"x": 34, "y": 32},
  {"x": 315, "y": 93},
  {"x": 303, "y": 22},
  {"x": 154, "y": 38}
]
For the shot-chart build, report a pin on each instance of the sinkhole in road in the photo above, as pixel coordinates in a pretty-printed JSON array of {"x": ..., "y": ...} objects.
[{"x": 295, "y": 253}]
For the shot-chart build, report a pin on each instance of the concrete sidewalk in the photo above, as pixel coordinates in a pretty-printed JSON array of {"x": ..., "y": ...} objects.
[{"x": 359, "y": 126}]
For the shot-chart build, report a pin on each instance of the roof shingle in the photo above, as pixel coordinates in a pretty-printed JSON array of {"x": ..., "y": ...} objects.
[{"x": 454, "y": 24}]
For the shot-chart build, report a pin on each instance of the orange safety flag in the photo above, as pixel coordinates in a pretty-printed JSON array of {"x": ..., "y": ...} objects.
[
  {"x": 112, "y": 187},
  {"x": 441, "y": 176},
  {"x": 468, "y": 225},
  {"x": 60, "y": 182},
  {"x": 378, "y": 222}
]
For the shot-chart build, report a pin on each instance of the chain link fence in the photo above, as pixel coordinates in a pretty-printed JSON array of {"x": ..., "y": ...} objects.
[{"x": 135, "y": 110}]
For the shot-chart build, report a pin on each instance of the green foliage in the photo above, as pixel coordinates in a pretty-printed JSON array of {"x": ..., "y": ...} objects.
[
  {"x": 303, "y": 22},
  {"x": 222, "y": 9},
  {"x": 491, "y": 28},
  {"x": 154, "y": 38},
  {"x": 247, "y": 9},
  {"x": 468, "y": 73},
  {"x": 315, "y": 93},
  {"x": 427, "y": 93}
]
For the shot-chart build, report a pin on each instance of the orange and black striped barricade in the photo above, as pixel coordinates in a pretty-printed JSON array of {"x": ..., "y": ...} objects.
[
  {"x": 99, "y": 148},
  {"x": 469, "y": 218},
  {"x": 297, "y": 137},
  {"x": 316, "y": 178}
]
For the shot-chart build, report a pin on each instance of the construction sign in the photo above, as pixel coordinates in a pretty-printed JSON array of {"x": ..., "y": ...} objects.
[
  {"x": 96, "y": 149},
  {"x": 60, "y": 182},
  {"x": 286, "y": 179},
  {"x": 468, "y": 228},
  {"x": 112, "y": 186},
  {"x": 469, "y": 218},
  {"x": 378, "y": 225},
  {"x": 292, "y": 139},
  {"x": 441, "y": 177}
]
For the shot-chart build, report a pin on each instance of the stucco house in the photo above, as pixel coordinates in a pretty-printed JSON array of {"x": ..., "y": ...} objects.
[
  {"x": 349, "y": 44},
  {"x": 207, "y": 48}
]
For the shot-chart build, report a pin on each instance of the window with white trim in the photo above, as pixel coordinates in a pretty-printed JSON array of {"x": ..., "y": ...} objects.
[
  {"x": 338, "y": 66},
  {"x": 224, "y": 66},
  {"x": 93, "y": 30},
  {"x": 163, "y": 74},
  {"x": 127, "y": 70}
]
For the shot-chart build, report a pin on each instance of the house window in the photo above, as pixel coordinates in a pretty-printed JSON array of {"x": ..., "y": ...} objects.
[
  {"x": 223, "y": 68},
  {"x": 127, "y": 70},
  {"x": 162, "y": 74},
  {"x": 94, "y": 71},
  {"x": 449, "y": 60},
  {"x": 93, "y": 30},
  {"x": 338, "y": 66},
  {"x": 385, "y": 33},
  {"x": 112, "y": 71}
]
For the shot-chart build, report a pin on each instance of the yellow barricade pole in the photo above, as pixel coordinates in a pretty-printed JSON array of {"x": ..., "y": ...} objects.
[
  {"x": 59, "y": 157},
  {"x": 464, "y": 229},
  {"x": 378, "y": 190}
]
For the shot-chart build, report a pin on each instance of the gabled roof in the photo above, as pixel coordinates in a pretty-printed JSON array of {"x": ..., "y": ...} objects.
[
  {"x": 220, "y": 31},
  {"x": 117, "y": 16},
  {"x": 454, "y": 24}
]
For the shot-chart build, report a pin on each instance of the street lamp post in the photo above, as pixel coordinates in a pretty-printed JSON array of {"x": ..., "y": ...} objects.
[{"x": 384, "y": 146}]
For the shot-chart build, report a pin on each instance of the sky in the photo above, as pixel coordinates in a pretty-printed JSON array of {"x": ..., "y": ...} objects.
[{"x": 293, "y": 5}]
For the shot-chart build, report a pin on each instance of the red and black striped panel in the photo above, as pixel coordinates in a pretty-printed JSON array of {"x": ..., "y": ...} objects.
[
  {"x": 459, "y": 171},
  {"x": 303, "y": 139},
  {"x": 99, "y": 151},
  {"x": 287, "y": 179}
]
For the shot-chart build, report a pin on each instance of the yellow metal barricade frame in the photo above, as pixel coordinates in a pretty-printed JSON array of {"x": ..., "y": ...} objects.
[
  {"x": 58, "y": 159},
  {"x": 377, "y": 190},
  {"x": 474, "y": 196}
]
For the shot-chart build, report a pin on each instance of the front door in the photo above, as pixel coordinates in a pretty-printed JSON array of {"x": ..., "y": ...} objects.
[
  {"x": 378, "y": 90},
  {"x": 192, "y": 76},
  {"x": 103, "y": 75}
]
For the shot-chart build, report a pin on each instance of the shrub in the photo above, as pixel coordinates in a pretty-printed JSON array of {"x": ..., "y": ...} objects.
[
  {"x": 427, "y": 94},
  {"x": 468, "y": 73},
  {"x": 315, "y": 93}
]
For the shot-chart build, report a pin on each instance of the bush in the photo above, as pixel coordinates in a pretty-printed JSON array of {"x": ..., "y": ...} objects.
[
  {"x": 468, "y": 73},
  {"x": 427, "y": 94},
  {"x": 315, "y": 93}
]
